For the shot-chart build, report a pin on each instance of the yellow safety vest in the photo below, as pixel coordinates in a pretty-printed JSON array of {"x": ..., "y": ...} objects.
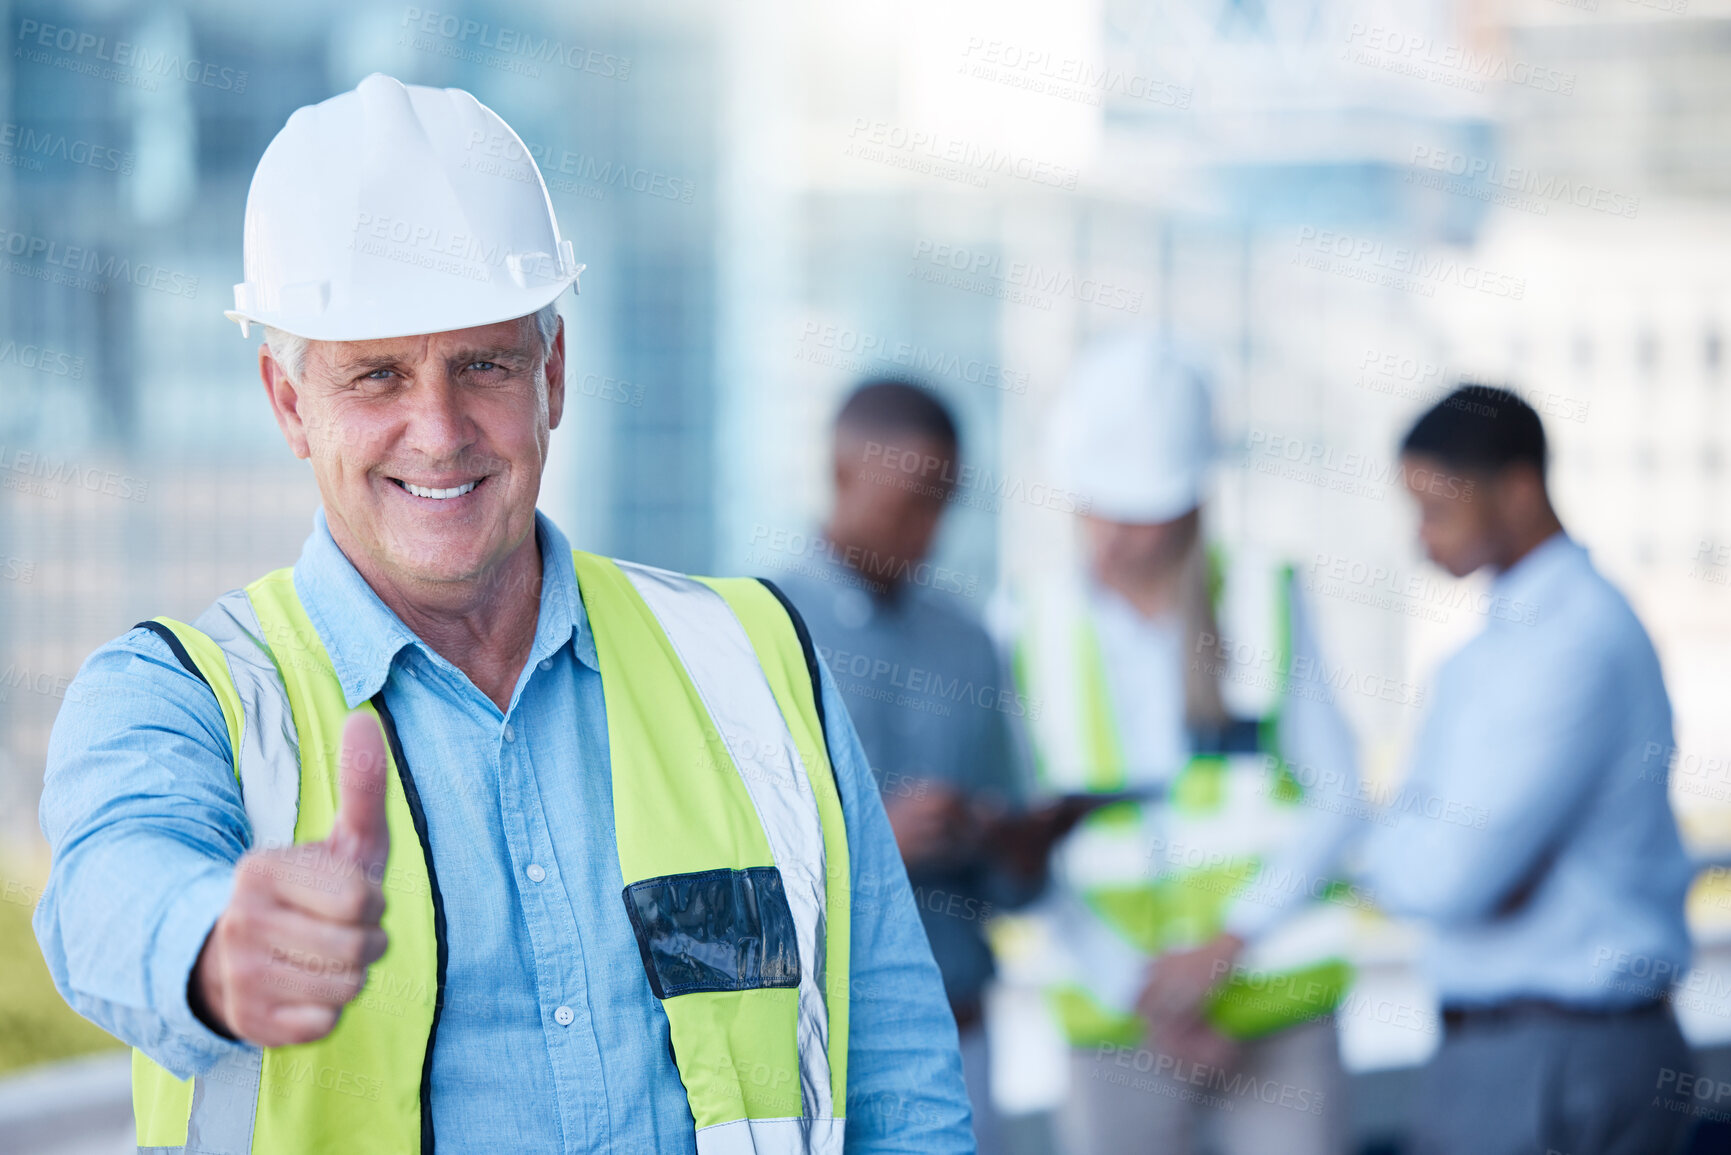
[
  {"x": 1140, "y": 878},
  {"x": 731, "y": 845}
]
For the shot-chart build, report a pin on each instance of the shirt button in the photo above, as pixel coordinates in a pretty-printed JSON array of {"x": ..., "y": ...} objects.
[
  {"x": 535, "y": 873},
  {"x": 546, "y": 663},
  {"x": 563, "y": 1016},
  {"x": 510, "y": 734}
]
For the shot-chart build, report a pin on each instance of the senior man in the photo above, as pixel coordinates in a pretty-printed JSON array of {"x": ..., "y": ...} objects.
[{"x": 451, "y": 832}]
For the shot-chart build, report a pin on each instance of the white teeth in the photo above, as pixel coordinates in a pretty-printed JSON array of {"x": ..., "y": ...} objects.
[{"x": 439, "y": 494}]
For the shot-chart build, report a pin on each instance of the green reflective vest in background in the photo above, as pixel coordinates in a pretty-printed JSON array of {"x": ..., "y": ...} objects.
[
  {"x": 732, "y": 851},
  {"x": 1138, "y": 878}
]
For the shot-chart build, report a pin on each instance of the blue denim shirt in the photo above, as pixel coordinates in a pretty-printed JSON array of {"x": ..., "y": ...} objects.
[{"x": 141, "y": 808}]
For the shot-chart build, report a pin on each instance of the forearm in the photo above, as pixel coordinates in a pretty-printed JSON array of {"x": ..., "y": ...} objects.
[
  {"x": 120, "y": 939},
  {"x": 142, "y": 813},
  {"x": 1423, "y": 868},
  {"x": 1474, "y": 825},
  {"x": 1297, "y": 874}
]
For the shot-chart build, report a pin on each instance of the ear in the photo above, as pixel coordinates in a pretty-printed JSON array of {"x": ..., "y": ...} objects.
[
  {"x": 285, "y": 399},
  {"x": 555, "y": 369}
]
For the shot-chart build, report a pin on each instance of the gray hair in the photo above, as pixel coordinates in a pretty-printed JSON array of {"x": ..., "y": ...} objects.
[{"x": 290, "y": 351}]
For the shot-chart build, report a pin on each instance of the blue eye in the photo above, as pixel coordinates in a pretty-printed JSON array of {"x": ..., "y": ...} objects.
[{"x": 483, "y": 365}]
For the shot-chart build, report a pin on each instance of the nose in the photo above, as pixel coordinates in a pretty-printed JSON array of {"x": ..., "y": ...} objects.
[{"x": 439, "y": 429}]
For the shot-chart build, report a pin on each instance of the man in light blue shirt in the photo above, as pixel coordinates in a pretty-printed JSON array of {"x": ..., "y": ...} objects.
[
  {"x": 1549, "y": 867},
  {"x": 435, "y": 585}
]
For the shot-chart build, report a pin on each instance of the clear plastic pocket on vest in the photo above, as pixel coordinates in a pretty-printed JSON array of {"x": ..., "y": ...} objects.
[{"x": 715, "y": 930}]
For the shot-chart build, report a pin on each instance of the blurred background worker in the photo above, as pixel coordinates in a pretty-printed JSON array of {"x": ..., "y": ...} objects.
[
  {"x": 1169, "y": 675},
  {"x": 1559, "y": 918},
  {"x": 934, "y": 705}
]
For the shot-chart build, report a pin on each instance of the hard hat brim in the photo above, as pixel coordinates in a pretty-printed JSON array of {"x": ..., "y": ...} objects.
[{"x": 374, "y": 325}]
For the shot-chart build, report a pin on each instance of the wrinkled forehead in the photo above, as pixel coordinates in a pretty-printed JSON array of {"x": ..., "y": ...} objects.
[{"x": 515, "y": 343}]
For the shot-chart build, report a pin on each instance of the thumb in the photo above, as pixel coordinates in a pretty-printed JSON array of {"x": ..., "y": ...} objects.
[{"x": 360, "y": 834}]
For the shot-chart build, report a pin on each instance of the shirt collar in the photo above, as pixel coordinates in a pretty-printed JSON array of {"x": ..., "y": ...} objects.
[
  {"x": 363, "y": 636},
  {"x": 1533, "y": 578}
]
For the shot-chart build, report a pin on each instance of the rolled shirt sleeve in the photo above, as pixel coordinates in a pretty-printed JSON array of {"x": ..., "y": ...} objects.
[
  {"x": 143, "y": 815},
  {"x": 1519, "y": 759},
  {"x": 905, "y": 1091}
]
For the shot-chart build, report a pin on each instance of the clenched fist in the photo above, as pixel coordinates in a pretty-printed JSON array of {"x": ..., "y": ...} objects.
[{"x": 293, "y": 945}]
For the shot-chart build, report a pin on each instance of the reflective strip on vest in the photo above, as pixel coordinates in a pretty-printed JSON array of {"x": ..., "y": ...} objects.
[
  {"x": 225, "y": 1098},
  {"x": 224, "y": 1104},
  {"x": 723, "y": 667},
  {"x": 270, "y": 755}
]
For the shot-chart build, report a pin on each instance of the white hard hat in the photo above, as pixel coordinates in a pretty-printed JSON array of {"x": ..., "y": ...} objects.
[
  {"x": 1133, "y": 433},
  {"x": 394, "y": 210}
]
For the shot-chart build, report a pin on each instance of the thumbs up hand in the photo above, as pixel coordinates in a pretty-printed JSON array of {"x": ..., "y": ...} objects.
[{"x": 302, "y": 925}]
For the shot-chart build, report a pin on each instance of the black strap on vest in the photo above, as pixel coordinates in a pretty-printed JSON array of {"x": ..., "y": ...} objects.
[
  {"x": 174, "y": 644},
  {"x": 412, "y": 796},
  {"x": 810, "y": 652}
]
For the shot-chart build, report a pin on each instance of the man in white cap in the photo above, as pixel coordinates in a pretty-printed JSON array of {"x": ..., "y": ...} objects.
[
  {"x": 1194, "y": 952},
  {"x": 450, "y": 832}
]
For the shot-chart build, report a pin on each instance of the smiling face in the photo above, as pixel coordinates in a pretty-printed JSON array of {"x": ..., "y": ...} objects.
[{"x": 428, "y": 450}]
